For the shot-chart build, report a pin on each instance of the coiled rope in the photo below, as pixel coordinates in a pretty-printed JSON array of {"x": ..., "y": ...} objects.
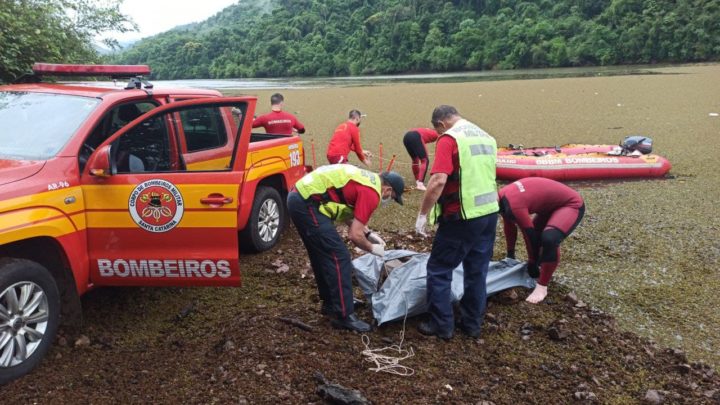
[{"x": 389, "y": 363}]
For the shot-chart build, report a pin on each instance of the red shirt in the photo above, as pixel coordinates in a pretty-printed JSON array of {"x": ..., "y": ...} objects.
[
  {"x": 278, "y": 122},
  {"x": 363, "y": 199},
  {"x": 346, "y": 138},
  {"x": 447, "y": 161},
  {"x": 428, "y": 135}
]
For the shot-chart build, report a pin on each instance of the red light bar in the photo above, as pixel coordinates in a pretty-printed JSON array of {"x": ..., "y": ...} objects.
[{"x": 90, "y": 70}]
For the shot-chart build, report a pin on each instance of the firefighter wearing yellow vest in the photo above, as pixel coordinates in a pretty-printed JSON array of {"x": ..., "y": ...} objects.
[
  {"x": 462, "y": 198},
  {"x": 332, "y": 194}
]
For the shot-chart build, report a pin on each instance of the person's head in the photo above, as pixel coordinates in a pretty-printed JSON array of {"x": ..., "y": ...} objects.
[
  {"x": 355, "y": 116},
  {"x": 392, "y": 187},
  {"x": 276, "y": 101},
  {"x": 444, "y": 117}
]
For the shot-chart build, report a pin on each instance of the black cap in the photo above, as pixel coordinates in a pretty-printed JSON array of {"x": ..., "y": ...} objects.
[{"x": 396, "y": 182}]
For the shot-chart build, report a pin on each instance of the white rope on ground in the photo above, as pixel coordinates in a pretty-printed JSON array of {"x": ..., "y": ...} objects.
[{"x": 388, "y": 363}]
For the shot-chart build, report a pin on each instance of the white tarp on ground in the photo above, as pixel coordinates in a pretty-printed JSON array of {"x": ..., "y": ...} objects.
[{"x": 404, "y": 288}]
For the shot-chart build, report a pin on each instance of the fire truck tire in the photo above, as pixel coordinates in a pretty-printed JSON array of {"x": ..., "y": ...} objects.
[
  {"x": 29, "y": 316},
  {"x": 267, "y": 220}
]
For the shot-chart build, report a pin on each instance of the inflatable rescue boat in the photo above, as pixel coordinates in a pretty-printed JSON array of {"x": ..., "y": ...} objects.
[{"x": 631, "y": 159}]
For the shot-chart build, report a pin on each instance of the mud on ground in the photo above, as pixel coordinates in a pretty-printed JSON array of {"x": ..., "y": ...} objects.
[{"x": 229, "y": 346}]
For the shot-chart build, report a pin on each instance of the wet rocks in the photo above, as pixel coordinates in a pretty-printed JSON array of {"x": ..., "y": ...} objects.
[
  {"x": 653, "y": 397},
  {"x": 82, "y": 341}
]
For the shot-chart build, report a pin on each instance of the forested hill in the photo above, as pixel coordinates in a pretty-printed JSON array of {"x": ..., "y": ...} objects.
[{"x": 274, "y": 38}]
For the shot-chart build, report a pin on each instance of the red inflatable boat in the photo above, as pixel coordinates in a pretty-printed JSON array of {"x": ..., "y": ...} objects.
[{"x": 579, "y": 162}]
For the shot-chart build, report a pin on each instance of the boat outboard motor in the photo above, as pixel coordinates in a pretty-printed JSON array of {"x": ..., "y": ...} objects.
[{"x": 638, "y": 143}]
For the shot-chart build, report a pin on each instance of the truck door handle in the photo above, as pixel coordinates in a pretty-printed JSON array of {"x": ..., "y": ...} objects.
[{"x": 216, "y": 200}]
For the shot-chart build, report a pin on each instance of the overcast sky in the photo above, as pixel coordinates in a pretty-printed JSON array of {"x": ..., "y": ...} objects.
[{"x": 156, "y": 16}]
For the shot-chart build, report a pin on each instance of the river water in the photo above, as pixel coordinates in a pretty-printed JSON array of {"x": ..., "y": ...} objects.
[{"x": 347, "y": 81}]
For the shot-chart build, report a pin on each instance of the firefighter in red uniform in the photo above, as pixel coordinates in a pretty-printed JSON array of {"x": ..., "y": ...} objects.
[
  {"x": 345, "y": 139},
  {"x": 278, "y": 121},
  {"x": 415, "y": 141},
  {"x": 558, "y": 210},
  {"x": 340, "y": 193}
]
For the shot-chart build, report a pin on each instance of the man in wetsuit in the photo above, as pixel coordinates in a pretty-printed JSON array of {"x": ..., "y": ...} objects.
[
  {"x": 340, "y": 193},
  {"x": 558, "y": 210},
  {"x": 278, "y": 121},
  {"x": 345, "y": 139},
  {"x": 414, "y": 141}
]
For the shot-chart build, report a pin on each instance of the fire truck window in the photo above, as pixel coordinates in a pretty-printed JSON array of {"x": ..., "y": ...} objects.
[
  {"x": 113, "y": 121},
  {"x": 204, "y": 128},
  {"x": 207, "y": 145},
  {"x": 145, "y": 148}
]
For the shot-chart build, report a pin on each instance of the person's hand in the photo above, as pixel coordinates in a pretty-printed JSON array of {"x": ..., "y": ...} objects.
[
  {"x": 375, "y": 238},
  {"x": 378, "y": 250},
  {"x": 420, "y": 223}
]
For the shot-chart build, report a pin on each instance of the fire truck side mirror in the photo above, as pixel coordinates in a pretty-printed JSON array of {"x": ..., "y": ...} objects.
[{"x": 99, "y": 163}]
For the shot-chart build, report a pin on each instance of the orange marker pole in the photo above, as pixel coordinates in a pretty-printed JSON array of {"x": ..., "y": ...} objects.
[
  {"x": 380, "y": 158},
  {"x": 391, "y": 163},
  {"x": 312, "y": 144}
]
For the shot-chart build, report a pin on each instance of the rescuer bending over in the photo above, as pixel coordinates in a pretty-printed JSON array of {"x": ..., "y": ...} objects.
[{"x": 558, "y": 210}]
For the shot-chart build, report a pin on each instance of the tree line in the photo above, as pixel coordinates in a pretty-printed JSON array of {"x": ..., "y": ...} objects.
[
  {"x": 280, "y": 38},
  {"x": 365, "y": 37}
]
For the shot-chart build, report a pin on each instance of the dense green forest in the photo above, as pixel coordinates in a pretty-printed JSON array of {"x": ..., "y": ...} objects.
[
  {"x": 275, "y": 38},
  {"x": 60, "y": 31}
]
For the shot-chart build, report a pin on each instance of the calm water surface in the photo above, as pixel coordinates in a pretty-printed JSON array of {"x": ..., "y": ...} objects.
[{"x": 322, "y": 82}]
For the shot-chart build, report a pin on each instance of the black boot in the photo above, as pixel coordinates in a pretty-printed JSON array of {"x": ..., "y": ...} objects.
[
  {"x": 352, "y": 322},
  {"x": 472, "y": 333},
  {"x": 429, "y": 328}
]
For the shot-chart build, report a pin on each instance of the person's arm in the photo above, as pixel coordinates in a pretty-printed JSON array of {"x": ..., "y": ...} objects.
[
  {"x": 510, "y": 235},
  {"x": 299, "y": 127},
  {"x": 259, "y": 121},
  {"x": 524, "y": 222},
  {"x": 357, "y": 235},
  {"x": 356, "y": 147},
  {"x": 432, "y": 194}
]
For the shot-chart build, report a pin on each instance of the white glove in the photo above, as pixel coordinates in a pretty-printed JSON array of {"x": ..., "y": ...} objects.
[
  {"x": 420, "y": 223},
  {"x": 375, "y": 238},
  {"x": 378, "y": 250}
]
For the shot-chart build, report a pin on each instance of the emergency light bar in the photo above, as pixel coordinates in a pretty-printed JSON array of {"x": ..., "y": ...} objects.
[{"x": 114, "y": 71}]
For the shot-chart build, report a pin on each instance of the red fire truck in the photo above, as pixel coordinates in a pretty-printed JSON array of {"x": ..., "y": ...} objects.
[{"x": 133, "y": 186}]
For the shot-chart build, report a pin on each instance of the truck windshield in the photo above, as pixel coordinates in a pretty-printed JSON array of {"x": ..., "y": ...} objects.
[{"x": 35, "y": 126}]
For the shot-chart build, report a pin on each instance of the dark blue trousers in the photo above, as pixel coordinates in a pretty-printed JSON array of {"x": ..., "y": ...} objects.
[
  {"x": 468, "y": 242},
  {"x": 329, "y": 257}
]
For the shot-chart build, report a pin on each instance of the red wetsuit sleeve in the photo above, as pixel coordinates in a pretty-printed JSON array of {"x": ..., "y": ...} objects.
[
  {"x": 524, "y": 221},
  {"x": 298, "y": 125},
  {"x": 356, "y": 147},
  {"x": 259, "y": 121}
]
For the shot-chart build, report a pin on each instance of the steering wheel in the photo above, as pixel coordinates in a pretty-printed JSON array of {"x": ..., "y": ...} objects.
[{"x": 85, "y": 151}]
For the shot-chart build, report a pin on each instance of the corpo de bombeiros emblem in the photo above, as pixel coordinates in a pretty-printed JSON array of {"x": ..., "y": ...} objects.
[{"x": 156, "y": 205}]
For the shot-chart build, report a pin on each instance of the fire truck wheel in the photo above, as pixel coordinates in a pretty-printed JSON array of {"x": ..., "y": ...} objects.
[
  {"x": 267, "y": 220},
  {"x": 29, "y": 316}
]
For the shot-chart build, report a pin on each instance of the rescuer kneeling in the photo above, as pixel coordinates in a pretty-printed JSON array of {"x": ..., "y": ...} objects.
[
  {"x": 346, "y": 193},
  {"x": 558, "y": 210}
]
